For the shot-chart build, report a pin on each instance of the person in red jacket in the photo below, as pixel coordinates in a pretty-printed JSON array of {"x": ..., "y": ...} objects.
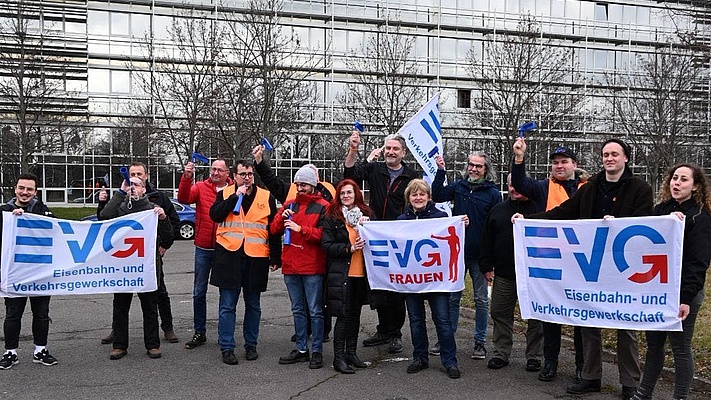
[
  {"x": 304, "y": 264},
  {"x": 203, "y": 195}
]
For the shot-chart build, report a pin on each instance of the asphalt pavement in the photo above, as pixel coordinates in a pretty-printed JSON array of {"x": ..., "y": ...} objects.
[{"x": 85, "y": 371}]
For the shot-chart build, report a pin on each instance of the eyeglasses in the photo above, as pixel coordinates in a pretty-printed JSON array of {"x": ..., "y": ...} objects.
[
  {"x": 220, "y": 170},
  {"x": 477, "y": 166},
  {"x": 246, "y": 174},
  {"x": 136, "y": 184}
]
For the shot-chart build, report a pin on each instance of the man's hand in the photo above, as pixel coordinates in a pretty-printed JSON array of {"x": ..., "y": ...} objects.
[
  {"x": 103, "y": 194},
  {"x": 354, "y": 141},
  {"x": 274, "y": 267},
  {"x": 17, "y": 211},
  {"x": 241, "y": 190},
  {"x": 189, "y": 170},
  {"x": 375, "y": 154},
  {"x": 516, "y": 216},
  {"x": 519, "y": 149},
  {"x": 257, "y": 153},
  {"x": 161, "y": 213},
  {"x": 292, "y": 225},
  {"x": 489, "y": 276},
  {"x": 161, "y": 251},
  {"x": 440, "y": 161}
]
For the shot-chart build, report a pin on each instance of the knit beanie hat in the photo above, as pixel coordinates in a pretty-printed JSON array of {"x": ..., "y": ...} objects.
[{"x": 306, "y": 174}]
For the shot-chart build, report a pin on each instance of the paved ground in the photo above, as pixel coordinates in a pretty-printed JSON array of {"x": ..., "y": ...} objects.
[{"x": 85, "y": 371}]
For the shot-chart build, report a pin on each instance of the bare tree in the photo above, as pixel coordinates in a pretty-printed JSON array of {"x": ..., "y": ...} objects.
[
  {"x": 386, "y": 89},
  {"x": 525, "y": 76},
  {"x": 181, "y": 80},
  {"x": 662, "y": 107},
  {"x": 266, "y": 79},
  {"x": 37, "y": 113}
]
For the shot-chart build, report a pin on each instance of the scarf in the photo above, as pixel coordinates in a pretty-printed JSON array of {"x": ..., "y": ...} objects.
[{"x": 352, "y": 216}]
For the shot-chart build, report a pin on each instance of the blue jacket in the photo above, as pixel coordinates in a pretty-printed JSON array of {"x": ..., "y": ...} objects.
[
  {"x": 473, "y": 200},
  {"x": 537, "y": 189}
]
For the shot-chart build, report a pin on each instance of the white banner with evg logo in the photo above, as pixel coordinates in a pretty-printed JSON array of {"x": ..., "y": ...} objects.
[
  {"x": 621, "y": 273},
  {"x": 415, "y": 256},
  {"x": 46, "y": 256}
]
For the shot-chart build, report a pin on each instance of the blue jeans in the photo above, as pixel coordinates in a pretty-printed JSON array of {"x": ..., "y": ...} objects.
[
  {"x": 455, "y": 299},
  {"x": 306, "y": 291},
  {"x": 203, "y": 266},
  {"x": 439, "y": 307},
  {"x": 481, "y": 300},
  {"x": 227, "y": 318}
]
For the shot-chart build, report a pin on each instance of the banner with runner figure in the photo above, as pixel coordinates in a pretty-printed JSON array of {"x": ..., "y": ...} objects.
[{"x": 415, "y": 256}]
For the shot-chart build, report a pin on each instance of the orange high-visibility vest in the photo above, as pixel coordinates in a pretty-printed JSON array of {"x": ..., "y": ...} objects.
[
  {"x": 292, "y": 190},
  {"x": 557, "y": 194},
  {"x": 252, "y": 229}
]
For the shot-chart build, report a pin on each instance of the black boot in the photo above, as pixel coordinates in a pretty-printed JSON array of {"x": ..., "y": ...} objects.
[
  {"x": 339, "y": 357},
  {"x": 351, "y": 356}
]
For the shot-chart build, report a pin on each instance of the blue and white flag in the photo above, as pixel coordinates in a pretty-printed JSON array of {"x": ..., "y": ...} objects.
[
  {"x": 622, "y": 273},
  {"x": 44, "y": 256},
  {"x": 423, "y": 135},
  {"x": 415, "y": 256}
]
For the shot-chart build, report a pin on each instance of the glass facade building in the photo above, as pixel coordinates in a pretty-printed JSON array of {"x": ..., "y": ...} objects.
[{"x": 109, "y": 49}]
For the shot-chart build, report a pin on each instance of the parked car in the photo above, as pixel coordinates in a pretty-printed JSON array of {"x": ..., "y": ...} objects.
[
  {"x": 92, "y": 198},
  {"x": 185, "y": 213}
]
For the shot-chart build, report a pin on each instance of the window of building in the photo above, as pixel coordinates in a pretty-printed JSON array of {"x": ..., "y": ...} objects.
[
  {"x": 120, "y": 82},
  {"x": 140, "y": 25},
  {"x": 464, "y": 98},
  {"x": 98, "y": 80},
  {"x": 600, "y": 12},
  {"x": 119, "y": 24},
  {"x": 98, "y": 22}
]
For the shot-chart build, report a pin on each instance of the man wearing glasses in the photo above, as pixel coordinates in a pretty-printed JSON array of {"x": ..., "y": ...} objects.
[
  {"x": 203, "y": 195},
  {"x": 473, "y": 195},
  {"x": 244, "y": 254}
]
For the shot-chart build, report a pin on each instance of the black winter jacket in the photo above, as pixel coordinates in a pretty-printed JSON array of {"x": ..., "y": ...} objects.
[
  {"x": 697, "y": 246},
  {"x": 117, "y": 207},
  {"x": 160, "y": 199},
  {"x": 386, "y": 200},
  {"x": 337, "y": 245},
  {"x": 634, "y": 199},
  {"x": 497, "y": 243}
]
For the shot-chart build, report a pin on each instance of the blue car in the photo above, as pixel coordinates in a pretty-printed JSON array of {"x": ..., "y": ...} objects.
[{"x": 185, "y": 213}]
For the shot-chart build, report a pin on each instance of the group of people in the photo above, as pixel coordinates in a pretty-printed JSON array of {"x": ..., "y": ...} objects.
[{"x": 240, "y": 231}]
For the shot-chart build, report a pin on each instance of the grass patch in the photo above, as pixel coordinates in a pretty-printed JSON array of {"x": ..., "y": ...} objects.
[{"x": 72, "y": 213}]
